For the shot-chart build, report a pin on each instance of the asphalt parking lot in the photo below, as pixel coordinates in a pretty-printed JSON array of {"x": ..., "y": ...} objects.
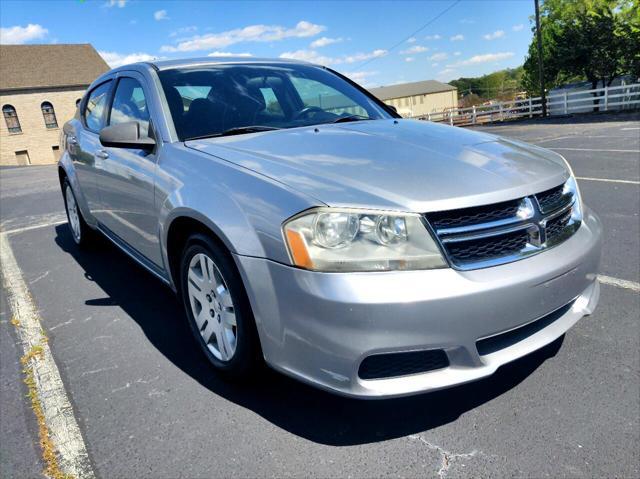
[{"x": 149, "y": 406}]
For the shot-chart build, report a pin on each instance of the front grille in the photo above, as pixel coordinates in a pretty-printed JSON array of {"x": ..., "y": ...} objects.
[
  {"x": 499, "y": 233},
  {"x": 553, "y": 199},
  {"x": 484, "y": 249},
  {"x": 390, "y": 365},
  {"x": 473, "y": 216},
  {"x": 504, "y": 340},
  {"x": 556, "y": 227}
]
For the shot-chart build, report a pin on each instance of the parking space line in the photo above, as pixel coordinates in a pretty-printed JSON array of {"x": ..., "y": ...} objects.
[
  {"x": 620, "y": 283},
  {"x": 61, "y": 427},
  {"x": 628, "y": 129},
  {"x": 594, "y": 149},
  {"x": 608, "y": 180},
  {"x": 33, "y": 227}
]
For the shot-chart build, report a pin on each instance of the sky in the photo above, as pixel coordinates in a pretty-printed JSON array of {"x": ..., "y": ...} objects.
[{"x": 375, "y": 43}]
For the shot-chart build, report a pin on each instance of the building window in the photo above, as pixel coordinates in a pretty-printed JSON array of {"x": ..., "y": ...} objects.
[
  {"x": 49, "y": 115},
  {"x": 422, "y": 100},
  {"x": 22, "y": 158},
  {"x": 11, "y": 117}
]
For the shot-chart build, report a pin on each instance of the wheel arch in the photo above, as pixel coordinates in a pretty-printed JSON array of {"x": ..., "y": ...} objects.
[{"x": 182, "y": 225}]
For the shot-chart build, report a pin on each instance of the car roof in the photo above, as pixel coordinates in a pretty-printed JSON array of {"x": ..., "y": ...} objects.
[{"x": 213, "y": 60}]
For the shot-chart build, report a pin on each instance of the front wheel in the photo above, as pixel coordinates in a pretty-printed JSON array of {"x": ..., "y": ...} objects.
[{"x": 217, "y": 308}]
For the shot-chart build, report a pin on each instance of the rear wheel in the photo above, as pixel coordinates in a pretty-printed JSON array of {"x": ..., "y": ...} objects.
[
  {"x": 217, "y": 308},
  {"x": 80, "y": 231}
]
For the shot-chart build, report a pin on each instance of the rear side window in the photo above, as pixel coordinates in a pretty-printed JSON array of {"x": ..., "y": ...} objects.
[
  {"x": 96, "y": 104},
  {"x": 130, "y": 104}
]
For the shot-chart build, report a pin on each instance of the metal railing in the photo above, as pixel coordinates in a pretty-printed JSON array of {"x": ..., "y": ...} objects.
[{"x": 613, "y": 98}]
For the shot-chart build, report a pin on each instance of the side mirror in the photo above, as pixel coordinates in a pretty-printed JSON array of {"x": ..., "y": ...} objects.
[
  {"x": 126, "y": 135},
  {"x": 393, "y": 108}
]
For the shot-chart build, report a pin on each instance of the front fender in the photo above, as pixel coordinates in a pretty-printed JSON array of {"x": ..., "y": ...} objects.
[
  {"x": 69, "y": 170},
  {"x": 243, "y": 208}
]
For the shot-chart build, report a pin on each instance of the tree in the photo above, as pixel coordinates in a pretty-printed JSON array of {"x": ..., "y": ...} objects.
[{"x": 596, "y": 40}]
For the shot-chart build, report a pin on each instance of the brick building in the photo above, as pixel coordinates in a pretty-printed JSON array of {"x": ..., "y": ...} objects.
[{"x": 39, "y": 88}]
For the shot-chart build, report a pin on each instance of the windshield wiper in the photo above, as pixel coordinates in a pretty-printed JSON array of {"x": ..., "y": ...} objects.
[
  {"x": 344, "y": 119},
  {"x": 239, "y": 130}
]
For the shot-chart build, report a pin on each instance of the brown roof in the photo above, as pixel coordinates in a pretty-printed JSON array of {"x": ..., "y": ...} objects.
[
  {"x": 47, "y": 66},
  {"x": 410, "y": 89}
]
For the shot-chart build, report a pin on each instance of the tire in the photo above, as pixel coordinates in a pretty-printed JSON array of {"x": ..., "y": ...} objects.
[
  {"x": 80, "y": 230},
  {"x": 218, "y": 309}
]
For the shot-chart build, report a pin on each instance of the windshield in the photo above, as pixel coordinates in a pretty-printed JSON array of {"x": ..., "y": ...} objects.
[{"x": 234, "y": 99}]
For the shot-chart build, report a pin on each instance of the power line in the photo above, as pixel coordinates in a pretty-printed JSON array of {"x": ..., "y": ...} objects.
[{"x": 414, "y": 33}]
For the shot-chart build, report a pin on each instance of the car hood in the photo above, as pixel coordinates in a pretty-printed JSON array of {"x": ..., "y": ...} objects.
[{"x": 393, "y": 164}]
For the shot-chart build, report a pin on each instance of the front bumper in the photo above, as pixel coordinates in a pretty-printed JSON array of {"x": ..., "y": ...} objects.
[{"x": 319, "y": 327}]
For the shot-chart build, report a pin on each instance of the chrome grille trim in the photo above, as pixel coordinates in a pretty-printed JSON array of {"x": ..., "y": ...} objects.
[{"x": 540, "y": 229}]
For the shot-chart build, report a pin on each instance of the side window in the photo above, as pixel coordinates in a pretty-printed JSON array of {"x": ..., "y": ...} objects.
[
  {"x": 96, "y": 104},
  {"x": 316, "y": 94},
  {"x": 129, "y": 104},
  {"x": 271, "y": 101}
]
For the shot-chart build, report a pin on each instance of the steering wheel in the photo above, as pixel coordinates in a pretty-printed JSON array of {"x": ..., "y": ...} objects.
[{"x": 307, "y": 111}]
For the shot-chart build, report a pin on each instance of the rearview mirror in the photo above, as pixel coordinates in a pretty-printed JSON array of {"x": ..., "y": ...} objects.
[{"x": 126, "y": 135}]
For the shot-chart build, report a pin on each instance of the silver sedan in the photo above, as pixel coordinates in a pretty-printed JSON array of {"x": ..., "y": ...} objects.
[{"x": 304, "y": 224}]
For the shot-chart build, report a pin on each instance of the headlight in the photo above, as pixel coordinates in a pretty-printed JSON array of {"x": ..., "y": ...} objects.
[
  {"x": 571, "y": 188},
  {"x": 332, "y": 239}
]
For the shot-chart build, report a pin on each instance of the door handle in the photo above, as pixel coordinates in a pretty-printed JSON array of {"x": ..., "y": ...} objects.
[{"x": 102, "y": 154}]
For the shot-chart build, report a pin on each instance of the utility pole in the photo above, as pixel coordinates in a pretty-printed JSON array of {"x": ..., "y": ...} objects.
[{"x": 540, "y": 65}]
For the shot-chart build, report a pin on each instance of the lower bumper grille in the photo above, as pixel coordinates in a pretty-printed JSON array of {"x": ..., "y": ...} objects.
[
  {"x": 504, "y": 340},
  {"x": 389, "y": 365}
]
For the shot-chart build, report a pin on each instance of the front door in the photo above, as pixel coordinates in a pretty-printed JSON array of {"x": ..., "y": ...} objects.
[
  {"x": 83, "y": 142},
  {"x": 126, "y": 177}
]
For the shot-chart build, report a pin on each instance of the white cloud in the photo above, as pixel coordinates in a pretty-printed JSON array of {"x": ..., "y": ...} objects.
[
  {"x": 116, "y": 3},
  {"x": 433, "y": 37},
  {"x": 412, "y": 40},
  {"x": 324, "y": 41},
  {"x": 414, "y": 49},
  {"x": 161, "y": 15},
  {"x": 311, "y": 56},
  {"x": 18, "y": 35},
  {"x": 435, "y": 64},
  {"x": 117, "y": 59},
  {"x": 361, "y": 77},
  {"x": 229, "y": 54},
  {"x": 457, "y": 38},
  {"x": 315, "y": 57},
  {"x": 252, "y": 33},
  {"x": 495, "y": 35},
  {"x": 518, "y": 27},
  {"x": 184, "y": 31},
  {"x": 438, "y": 57},
  {"x": 485, "y": 58},
  {"x": 467, "y": 21},
  {"x": 360, "y": 57},
  {"x": 457, "y": 54},
  {"x": 409, "y": 59},
  {"x": 446, "y": 74}
]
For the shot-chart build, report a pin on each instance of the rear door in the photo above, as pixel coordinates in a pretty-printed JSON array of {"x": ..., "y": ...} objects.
[
  {"x": 83, "y": 143},
  {"x": 126, "y": 176}
]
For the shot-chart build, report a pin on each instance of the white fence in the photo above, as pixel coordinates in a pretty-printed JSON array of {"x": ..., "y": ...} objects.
[{"x": 621, "y": 97}]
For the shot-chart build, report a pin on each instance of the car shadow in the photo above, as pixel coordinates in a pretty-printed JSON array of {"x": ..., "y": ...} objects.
[{"x": 293, "y": 406}]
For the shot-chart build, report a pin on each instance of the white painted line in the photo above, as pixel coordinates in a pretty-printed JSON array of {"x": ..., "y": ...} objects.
[
  {"x": 608, "y": 180},
  {"x": 620, "y": 283},
  {"x": 58, "y": 413},
  {"x": 33, "y": 227},
  {"x": 594, "y": 149},
  {"x": 628, "y": 129}
]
